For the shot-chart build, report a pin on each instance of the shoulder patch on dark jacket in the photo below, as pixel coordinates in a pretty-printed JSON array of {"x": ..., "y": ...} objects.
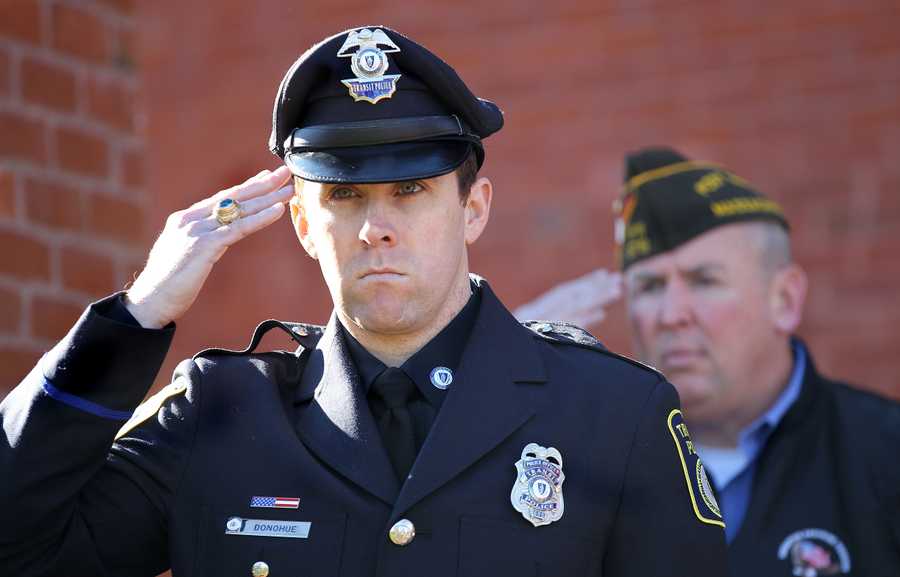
[
  {"x": 304, "y": 334},
  {"x": 565, "y": 333},
  {"x": 569, "y": 334}
]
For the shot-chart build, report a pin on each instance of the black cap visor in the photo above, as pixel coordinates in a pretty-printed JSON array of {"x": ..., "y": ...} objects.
[{"x": 396, "y": 162}]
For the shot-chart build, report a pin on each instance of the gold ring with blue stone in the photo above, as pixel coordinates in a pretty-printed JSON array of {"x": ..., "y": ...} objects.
[{"x": 227, "y": 211}]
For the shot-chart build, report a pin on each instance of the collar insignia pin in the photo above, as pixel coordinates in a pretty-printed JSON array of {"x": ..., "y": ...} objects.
[
  {"x": 367, "y": 50},
  {"x": 537, "y": 491},
  {"x": 441, "y": 377}
]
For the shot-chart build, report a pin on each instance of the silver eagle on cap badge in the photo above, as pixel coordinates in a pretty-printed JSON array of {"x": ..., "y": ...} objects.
[
  {"x": 537, "y": 492},
  {"x": 367, "y": 50}
]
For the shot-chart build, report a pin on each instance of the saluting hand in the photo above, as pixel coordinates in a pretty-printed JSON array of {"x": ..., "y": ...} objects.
[{"x": 193, "y": 240}]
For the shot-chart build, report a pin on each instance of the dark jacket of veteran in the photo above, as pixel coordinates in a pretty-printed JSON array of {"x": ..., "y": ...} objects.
[
  {"x": 826, "y": 492},
  {"x": 175, "y": 487}
]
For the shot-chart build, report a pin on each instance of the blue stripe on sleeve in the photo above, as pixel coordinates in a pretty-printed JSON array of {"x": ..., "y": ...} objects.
[{"x": 84, "y": 405}]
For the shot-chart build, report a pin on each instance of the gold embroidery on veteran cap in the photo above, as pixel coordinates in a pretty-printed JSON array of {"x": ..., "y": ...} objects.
[
  {"x": 744, "y": 205},
  {"x": 710, "y": 182},
  {"x": 151, "y": 406},
  {"x": 697, "y": 484},
  {"x": 650, "y": 175}
]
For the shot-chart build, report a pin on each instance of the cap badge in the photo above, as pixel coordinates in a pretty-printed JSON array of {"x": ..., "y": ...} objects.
[
  {"x": 441, "y": 377},
  {"x": 367, "y": 50},
  {"x": 537, "y": 492}
]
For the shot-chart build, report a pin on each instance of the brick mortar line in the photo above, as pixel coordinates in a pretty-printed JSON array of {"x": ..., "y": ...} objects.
[
  {"x": 81, "y": 93},
  {"x": 68, "y": 295},
  {"x": 46, "y": 23},
  {"x": 130, "y": 77},
  {"x": 55, "y": 262},
  {"x": 32, "y": 344},
  {"x": 25, "y": 324},
  {"x": 15, "y": 76},
  {"x": 103, "y": 12},
  {"x": 86, "y": 123},
  {"x": 54, "y": 238},
  {"x": 19, "y": 192},
  {"x": 64, "y": 293},
  {"x": 50, "y": 141},
  {"x": 31, "y": 292},
  {"x": 75, "y": 180}
]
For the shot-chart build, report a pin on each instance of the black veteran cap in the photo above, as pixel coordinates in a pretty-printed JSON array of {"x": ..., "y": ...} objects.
[
  {"x": 668, "y": 200},
  {"x": 371, "y": 105}
]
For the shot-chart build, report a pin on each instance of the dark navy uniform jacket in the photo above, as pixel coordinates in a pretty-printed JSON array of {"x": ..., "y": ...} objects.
[
  {"x": 826, "y": 494},
  {"x": 75, "y": 502}
]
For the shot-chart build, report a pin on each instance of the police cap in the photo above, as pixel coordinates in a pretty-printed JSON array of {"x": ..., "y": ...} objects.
[
  {"x": 370, "y": 105},
  {"x": 669, "y": 200}
]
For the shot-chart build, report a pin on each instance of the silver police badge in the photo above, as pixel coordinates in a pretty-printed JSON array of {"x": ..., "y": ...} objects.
[
  {"x": 367, "y": 50},
  {"x": 537, "y": 492}
]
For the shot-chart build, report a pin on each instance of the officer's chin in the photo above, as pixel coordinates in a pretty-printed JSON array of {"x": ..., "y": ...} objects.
[{"x": 384, "y": 309}]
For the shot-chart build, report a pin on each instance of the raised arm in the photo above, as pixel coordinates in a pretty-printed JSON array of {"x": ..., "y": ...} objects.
[{"x": 71, "y": 502}]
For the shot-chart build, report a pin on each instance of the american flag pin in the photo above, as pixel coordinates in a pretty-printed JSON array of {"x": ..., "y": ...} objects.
[{"x": 275, "y": 502}]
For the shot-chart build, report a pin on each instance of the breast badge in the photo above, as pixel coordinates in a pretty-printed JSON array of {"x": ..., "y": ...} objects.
[
  {"x": 537, "y": 491},
  {"x": 367, "y": 50}
]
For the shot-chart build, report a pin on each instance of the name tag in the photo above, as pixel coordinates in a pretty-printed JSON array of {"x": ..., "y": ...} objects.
[{"x": 267, "y": 528}]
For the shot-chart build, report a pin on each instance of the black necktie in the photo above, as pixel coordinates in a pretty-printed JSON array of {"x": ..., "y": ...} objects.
[{"x": 395, "y": 424}]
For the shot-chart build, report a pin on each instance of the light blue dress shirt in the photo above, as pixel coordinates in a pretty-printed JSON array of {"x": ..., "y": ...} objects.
[{"x": 732, "y": 470}]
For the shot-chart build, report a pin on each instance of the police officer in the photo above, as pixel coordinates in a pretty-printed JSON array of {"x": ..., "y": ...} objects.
[
  {"x": 806, "y": 468},
  {"x": 422, "y": 431}
]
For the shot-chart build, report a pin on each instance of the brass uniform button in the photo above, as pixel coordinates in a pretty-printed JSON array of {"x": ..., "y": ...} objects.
[
  {"x": 403, "y": 532},
  {"x": 260, "y": 569}
]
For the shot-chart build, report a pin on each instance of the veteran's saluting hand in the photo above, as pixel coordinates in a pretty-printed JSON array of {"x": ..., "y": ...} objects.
[{"x": 196, "y": 237}]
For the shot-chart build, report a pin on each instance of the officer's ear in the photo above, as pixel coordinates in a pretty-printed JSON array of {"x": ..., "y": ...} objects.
[
  {"x": 786, "y": 298},
  {"x": 298, "y": 218},
  {"x": 478, "y": 208}
]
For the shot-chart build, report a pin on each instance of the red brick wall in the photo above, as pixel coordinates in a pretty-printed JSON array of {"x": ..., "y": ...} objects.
[
  {"x": 799, "y": 97},
  {"x": 72, "y": 195}
]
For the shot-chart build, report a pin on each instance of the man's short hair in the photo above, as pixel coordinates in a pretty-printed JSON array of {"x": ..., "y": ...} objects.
[
  {"x": 773, "y": 244},
  {"x": 466, "y": 175}
]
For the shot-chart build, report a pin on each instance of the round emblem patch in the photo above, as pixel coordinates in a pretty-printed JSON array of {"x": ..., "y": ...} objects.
[
  {"x": 815, "y": 552},
  {"x": 706, "y": 491},
  {"x": 441, "y": 377}
]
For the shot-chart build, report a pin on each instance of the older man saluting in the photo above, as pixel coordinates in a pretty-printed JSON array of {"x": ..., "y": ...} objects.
[{"x": 806, "y": 468}]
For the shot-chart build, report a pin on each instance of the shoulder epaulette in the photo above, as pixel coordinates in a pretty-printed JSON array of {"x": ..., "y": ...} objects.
[
  {"x": 567, "y": 333},
  {"x": 304, "y": 334}
]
